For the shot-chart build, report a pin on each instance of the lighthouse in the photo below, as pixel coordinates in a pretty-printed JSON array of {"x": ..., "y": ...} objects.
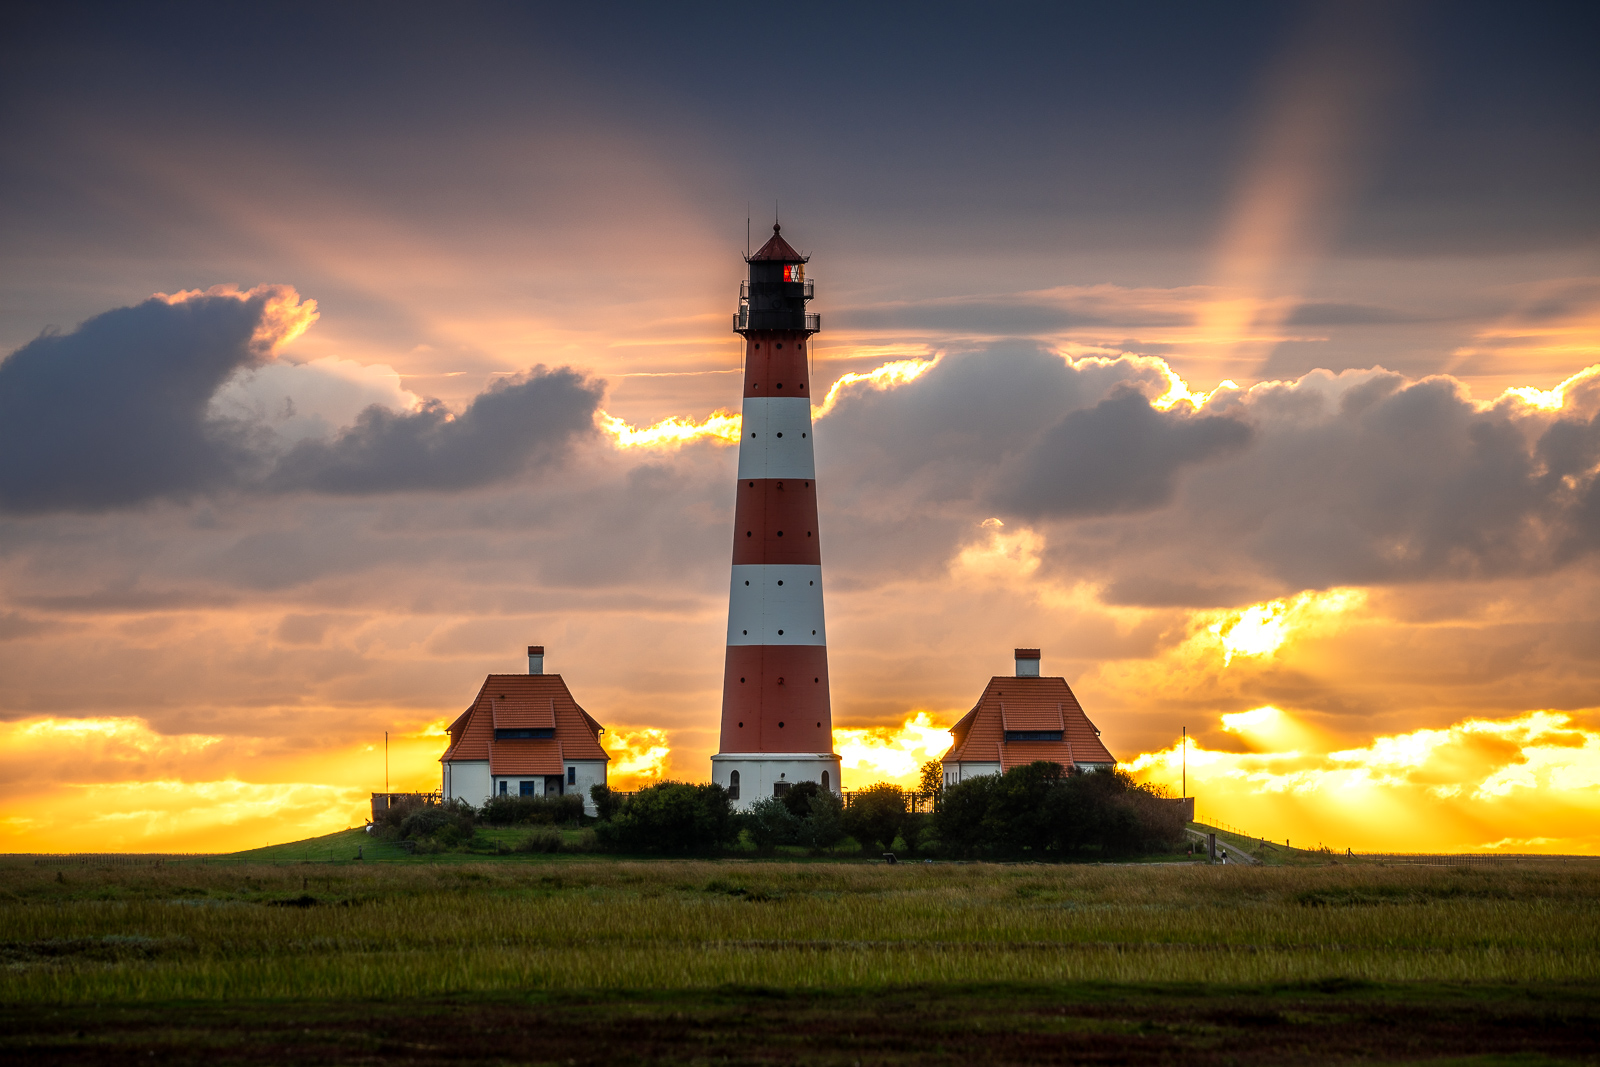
[{"x": 777, "y": 725}]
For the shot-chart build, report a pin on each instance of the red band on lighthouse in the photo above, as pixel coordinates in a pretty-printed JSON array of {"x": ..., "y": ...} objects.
[{"x": 777, "y": 724}]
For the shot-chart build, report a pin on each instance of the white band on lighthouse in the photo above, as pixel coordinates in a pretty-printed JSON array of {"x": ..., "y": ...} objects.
[
  {"x": 776, "y": 604},
  {"x": 775, "y": 441}
]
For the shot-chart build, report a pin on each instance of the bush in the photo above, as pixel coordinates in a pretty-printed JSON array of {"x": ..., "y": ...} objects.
[
  {"x": 387, "y": 823},
  {"x": 541, "y": 839},
  {"x": 606, "y": 803},
  {"x": 1016, "y": 819},
  {"x": 1111, "y": 813},
  {"x": 875, "y": 814},
  {"x": 961, "y": 818},
  {"x": 917, "y": 832},
  {"x": 770, "y": 823},
  {"x": 518, "y": 811},
  {"x": 823, "y": 826},
  {"x": 672, "y": 817},
  {"x": 1038, "y": 809},
  {"x": 443, "y": 824},
  {"x": 798, "y": 798}
]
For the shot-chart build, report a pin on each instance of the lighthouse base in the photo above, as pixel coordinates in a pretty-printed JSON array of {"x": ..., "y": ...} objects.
[{"x": 765, "y": 774}]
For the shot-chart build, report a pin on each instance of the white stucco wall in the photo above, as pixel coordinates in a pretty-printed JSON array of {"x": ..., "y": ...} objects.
[
  {"x": 759, "y": 771},
  {"x": 960, "y": 772},
  {"x": 589, "y": 773},
  {"x": 467, "y": 780}
]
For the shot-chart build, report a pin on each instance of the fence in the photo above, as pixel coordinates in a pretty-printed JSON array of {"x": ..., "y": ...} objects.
[
  {"x": 382, "y": 802},
  {"x": 914, "y": 801}
]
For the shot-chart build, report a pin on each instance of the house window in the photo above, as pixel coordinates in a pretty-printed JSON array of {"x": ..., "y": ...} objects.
[
  {"x": 825, "y": 788},
  {"x": 733, "y": 785},
  {"x": 503, "y": 787},
  {"x": 780, "y": 788},
  {"x": 572, "y": 776},
  {"x": 1033, "y": 735},
  {"x": 524, "y": 733},
  {"x": 525, "y": 789}
]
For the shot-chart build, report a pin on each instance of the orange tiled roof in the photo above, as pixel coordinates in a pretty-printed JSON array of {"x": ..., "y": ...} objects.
[
  {"x": 538, "y": 756},
  {"x": 537, "y": 701},
  {"x": 1022, "y": 753},
  {"x": 1026, "y": 714},
  {"x": 520, "y": 710},
  {"x": 1026, "y": 704}
]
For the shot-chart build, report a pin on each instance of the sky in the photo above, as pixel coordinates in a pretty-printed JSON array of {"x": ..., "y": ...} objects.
[{"x": 1243, "y": 357}]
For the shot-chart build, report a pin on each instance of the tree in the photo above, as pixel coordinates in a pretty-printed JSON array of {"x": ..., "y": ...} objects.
[
  {"x": 798, "y": 798},
  {"x": 875, "y": 814},
  {"x": 1016, "y": 814},
  {"x": 1111, "y": 813},
  {"x": 962, "y": 816},
  {"x": 606, "y": 802},
  {"x": 932, "y": 780},
  {"x": 823, "y": 826},
  {"x": 672, "y": 817},
  {"x": 770, "y": 823}
]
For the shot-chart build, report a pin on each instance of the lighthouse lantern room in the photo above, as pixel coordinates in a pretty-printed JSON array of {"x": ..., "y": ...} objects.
[{"x": 777, "y": 725}]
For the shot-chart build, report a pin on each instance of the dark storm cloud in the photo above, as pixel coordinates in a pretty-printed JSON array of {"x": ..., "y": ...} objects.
[
  {"x": 533, "y": 418},
  {"x": 116, "y": 413},
  {"x": 1399, "y": 481},
  {"x": 1121, "y": 455},
  {"x": 1364, "y": 478}
]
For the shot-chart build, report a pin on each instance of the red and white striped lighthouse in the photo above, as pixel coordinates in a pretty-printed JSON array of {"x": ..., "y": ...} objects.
[{"x": 777, "y": 725}]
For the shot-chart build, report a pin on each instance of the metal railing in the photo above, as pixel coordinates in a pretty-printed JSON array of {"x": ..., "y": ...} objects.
[
  {"x": 808, "y": 289},
  {"x": 914, "y": 801},
  {"x": 741, "y": 320}
]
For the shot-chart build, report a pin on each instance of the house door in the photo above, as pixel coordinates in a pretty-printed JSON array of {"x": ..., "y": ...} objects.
[{"x": 552, "y": 785}]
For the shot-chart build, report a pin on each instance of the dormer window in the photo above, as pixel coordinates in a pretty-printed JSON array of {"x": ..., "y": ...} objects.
[
  {"x": 1032, "y": 735},
  {"x": 524, "y": 733}
]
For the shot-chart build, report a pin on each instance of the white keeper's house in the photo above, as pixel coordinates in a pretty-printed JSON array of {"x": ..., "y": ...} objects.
[
  {"x": 524, "y": 735},
  {"x": 1023, "y": 719}
]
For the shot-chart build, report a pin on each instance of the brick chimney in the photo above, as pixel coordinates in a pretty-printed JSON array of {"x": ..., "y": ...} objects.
[
  {"x": 1027, "y": 663},
  {"x": 536, "y": 659}
]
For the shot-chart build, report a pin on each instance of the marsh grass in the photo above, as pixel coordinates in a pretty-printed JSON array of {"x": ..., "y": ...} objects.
[{"x": 198, "y": 932}]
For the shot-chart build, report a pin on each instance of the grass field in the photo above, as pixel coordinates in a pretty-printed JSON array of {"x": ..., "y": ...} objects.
[{"x": 1058, "y": 951}]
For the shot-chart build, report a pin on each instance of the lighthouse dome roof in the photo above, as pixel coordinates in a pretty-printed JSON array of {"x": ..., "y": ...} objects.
[{"x": 777, "y": 249}]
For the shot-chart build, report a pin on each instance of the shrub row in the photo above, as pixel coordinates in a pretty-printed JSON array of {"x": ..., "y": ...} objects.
[{"x": 1036, "y": 811}]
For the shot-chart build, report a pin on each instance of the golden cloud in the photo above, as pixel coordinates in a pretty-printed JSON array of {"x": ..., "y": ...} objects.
[{"x": 1531, "y": 779}]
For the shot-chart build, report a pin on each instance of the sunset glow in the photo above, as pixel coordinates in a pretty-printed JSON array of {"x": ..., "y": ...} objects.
[
  {"x": 720, "y": 427},
  {"x": 892, "y": 754},
  {"x": 638, "y": 757},
  {"x": 1260, "y": 391},
  {"x": 1262, "y": 629},
  {"x": 1524, "y": 784},
  {"x": 895, "y": 372}
]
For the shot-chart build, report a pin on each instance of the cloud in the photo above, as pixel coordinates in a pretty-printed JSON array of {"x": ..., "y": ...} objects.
[
  {"x": 534, "y": 417},
  {"x": 1326, "y": 480},
  {"x": 115, "y": 412},
  {"x": 176, "y": 398},
  {"x": 310, "y": 400},
  {"x": 1121, "y": 455}
]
